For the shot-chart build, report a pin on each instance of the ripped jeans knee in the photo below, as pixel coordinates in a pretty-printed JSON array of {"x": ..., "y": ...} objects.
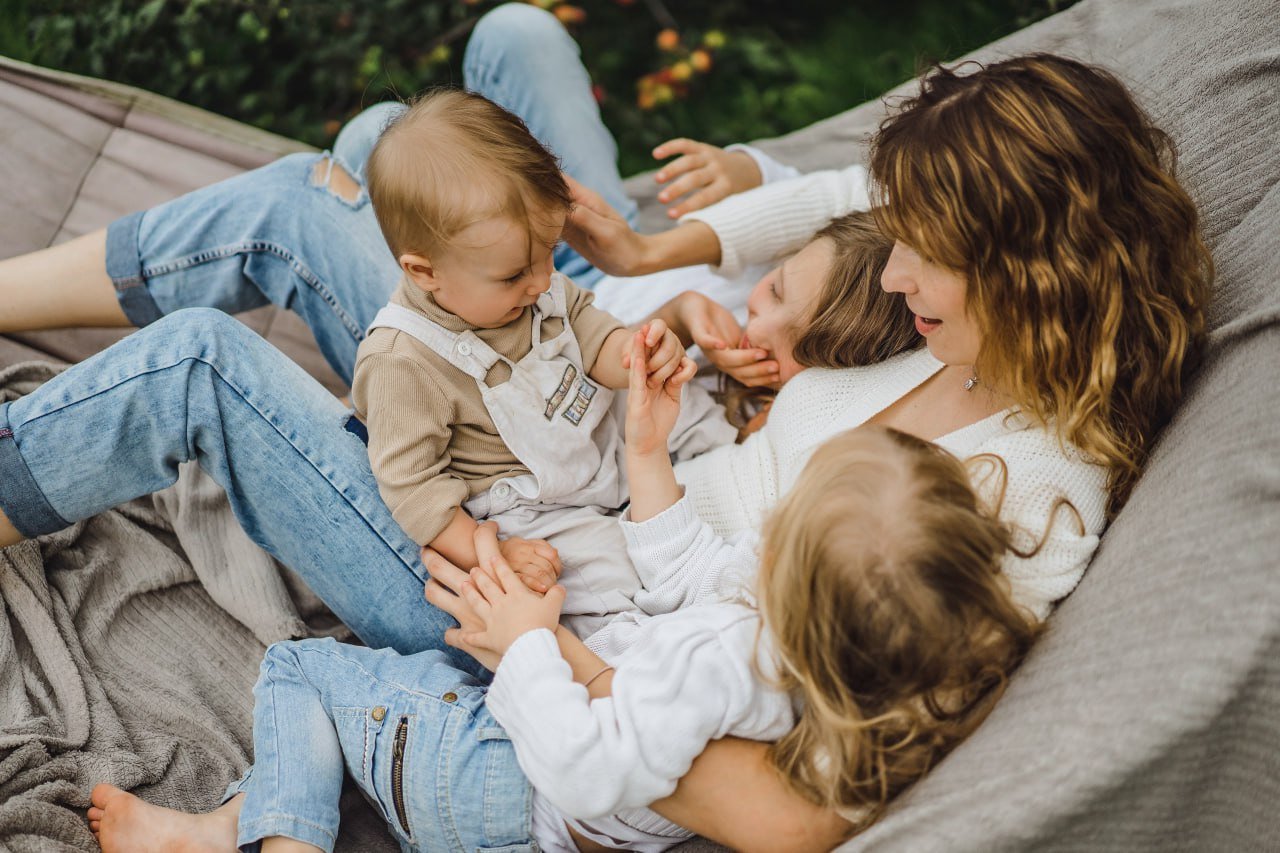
[{"x": 329, "y": 173}]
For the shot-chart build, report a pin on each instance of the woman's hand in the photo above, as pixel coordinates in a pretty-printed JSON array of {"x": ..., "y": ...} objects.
[
  {"x": 652, "y": 411},
  {"x": 506, "y": 609},
  {"x": 600, "y": 234},
  {"x": 713, "y": 172}
]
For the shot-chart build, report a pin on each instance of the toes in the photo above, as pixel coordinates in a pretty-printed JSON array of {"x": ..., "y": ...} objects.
[
  {"x": 102, "y": 794},
  {"x": 95, "y": 813}
]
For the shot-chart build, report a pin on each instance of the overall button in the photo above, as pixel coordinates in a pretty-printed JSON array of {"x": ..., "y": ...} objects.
[
  {"x": 464, "y": 348},
  {"x": 379, "y": 714},
  {"x": 450, "y": 697}
]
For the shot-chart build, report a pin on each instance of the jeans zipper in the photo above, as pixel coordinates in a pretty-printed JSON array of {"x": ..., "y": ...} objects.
[{"x": 397, "y": 774}]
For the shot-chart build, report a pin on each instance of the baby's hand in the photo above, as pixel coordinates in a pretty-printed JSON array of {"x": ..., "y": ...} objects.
[
  {"x": 506, "y": 608},
  {"x": 534, "y": 561},
  {"x": 652, "y": 412},
  {"x": 664, "y": 354}
]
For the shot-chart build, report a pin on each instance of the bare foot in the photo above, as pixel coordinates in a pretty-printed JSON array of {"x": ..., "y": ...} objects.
[{"x": 125, "y": 824}]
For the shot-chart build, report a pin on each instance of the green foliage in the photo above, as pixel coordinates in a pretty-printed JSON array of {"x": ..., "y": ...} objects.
[{"x": 302, "y": 67}]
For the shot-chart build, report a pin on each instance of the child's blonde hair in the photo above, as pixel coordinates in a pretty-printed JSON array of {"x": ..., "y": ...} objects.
[
  {"x": 455, "y": 158},
  {"x": 852, "y": 322},
  {"x": 880, "y": 584}
]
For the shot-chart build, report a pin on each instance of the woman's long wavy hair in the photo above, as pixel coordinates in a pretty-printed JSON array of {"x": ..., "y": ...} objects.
[
  {"x": 880, "y": 585},
  {"x": 852, "y": 322},
  {"x": 1044, "y": 184}
]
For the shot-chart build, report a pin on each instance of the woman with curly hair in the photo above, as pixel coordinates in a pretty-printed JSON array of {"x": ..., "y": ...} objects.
[{"x": 1054, "y": 268}]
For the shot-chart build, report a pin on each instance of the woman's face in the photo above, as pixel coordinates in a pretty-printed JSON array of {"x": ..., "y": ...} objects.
[
  {"x": 781, "y": 298},
  {"x": 936, "y": 296}
]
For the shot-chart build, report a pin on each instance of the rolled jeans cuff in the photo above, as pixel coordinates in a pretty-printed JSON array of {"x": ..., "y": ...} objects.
[
  {"x": 20, "y": 498},
  {"x": 249, "y": 836},
  {"x": 124, "y": 267}
]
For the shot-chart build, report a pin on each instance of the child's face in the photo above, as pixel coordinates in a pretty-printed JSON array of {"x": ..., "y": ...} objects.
[
  {"x": 781, "y": 298},
  {"x": 492, "y": 270}
]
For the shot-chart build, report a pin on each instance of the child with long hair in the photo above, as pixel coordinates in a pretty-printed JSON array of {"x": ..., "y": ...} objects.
[
  {"x": 821, "y": 307},
  {"x": 874, "y": 604}
]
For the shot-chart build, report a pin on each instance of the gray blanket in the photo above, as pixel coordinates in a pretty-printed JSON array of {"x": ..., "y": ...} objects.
[{"x": 137, "y": 671}]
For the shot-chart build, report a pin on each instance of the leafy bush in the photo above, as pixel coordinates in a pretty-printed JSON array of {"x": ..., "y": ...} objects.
[{"x": 721, "y": 71}]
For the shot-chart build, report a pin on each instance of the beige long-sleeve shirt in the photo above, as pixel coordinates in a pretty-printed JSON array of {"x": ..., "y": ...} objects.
[{"x": 432, "y": 443}]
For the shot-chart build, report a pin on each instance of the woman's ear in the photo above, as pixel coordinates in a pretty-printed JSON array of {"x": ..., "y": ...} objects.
[{"x": 420, "y": 271}]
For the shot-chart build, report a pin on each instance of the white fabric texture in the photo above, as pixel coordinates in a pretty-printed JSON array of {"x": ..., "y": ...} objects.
[
  {"x": 689, "y": 677},
  {"x": 687, "y": 680},
  {"x": 763, "y": 224},
  {"x": 770, "y": 169}
]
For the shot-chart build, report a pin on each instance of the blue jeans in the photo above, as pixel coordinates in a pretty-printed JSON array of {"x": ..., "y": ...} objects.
[
  {"x": 279, "y": 235},
  {"x": 412, "y": 731},
  {"x": 200, "y": 386},
  {"x": 197, "y": 385}
]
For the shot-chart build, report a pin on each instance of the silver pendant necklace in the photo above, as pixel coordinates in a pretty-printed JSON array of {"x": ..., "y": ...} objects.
[{"x": 970, "y": 382}]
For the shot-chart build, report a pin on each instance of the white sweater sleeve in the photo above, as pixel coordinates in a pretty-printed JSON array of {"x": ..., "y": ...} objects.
[
  {"x": 688, "y": 684},
  {"x": 761, "y": 225},
  {"x": 770, "y": 169},
  {"x": 682, "y": 562}
]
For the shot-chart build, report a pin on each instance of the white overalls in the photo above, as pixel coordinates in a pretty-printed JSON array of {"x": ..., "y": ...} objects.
[{"x": 558, "y": 423}]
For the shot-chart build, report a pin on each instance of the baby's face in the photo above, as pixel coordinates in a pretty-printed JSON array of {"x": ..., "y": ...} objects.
[
  {"x": 780, "y": 300},
  {"x": 494, "y": 269}
]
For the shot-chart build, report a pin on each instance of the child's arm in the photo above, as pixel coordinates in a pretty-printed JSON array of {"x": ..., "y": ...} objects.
[
  {"x": 651, "y": 415},
  {"x": 536, "y": 561},
  {"x": 596, "y": 757}
]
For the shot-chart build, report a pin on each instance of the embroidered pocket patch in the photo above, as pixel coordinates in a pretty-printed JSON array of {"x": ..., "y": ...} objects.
[
  {"x": 562, "y": 391},
  {"x": 574, "y": 413}
]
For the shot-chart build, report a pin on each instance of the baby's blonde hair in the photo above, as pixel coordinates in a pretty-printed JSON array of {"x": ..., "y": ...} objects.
[
  {"x": 880, "y": 585},
  {"x": 455, "y": 158}
]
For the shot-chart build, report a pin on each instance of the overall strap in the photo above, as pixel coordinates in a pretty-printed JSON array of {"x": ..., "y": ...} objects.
[
  {"x": 551, "y": 303},
  {"x": 463, "y": 350}
]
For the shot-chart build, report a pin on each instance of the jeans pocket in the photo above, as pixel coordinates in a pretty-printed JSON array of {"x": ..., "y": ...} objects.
[
  {"x": 508, "y": 796},
  {"x": 355, "y": 727}
]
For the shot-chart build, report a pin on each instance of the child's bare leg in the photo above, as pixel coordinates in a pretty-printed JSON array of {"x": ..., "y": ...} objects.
[
  {"x": 124, "y": 823},
  {"x": 8, "y": 533},
  {"x": 279, "y": 844},
  {"x": 63, "y": 286}
]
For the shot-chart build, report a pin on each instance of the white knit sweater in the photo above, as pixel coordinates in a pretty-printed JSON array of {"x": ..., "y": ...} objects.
[
  {"x": 733, "y": 486},
  {"x": 763, "y": 224}
]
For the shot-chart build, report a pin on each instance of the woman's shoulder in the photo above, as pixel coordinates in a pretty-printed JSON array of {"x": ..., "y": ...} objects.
[{"x": 1053, "y": 498}]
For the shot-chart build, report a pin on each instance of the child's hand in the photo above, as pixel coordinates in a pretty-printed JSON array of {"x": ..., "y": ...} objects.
[
  {"x": 534, "y": 561},
  {"x": 663, "y": 352},
  {"x": 506, "y": 608},
  {"x": 714, "y": 172},
  {"x": 443, "y": 591},
  {"x": 652, "y": 412},
  {"x": 713, "y": 328}
]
